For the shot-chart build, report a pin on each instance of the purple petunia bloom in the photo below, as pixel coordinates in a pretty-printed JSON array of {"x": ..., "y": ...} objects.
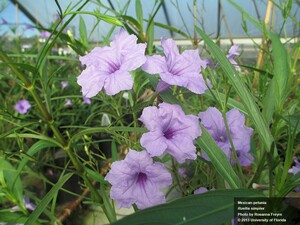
[
  {"x": 233, "y": 51},
  {"x": 296, "y": 168},
  {"x": 45, "y": 34},
  {"x": 109, "y": 68},
  {"x": 213, "y": 121},
  {"x": 177, "y": 69},
  {"x": 68, "y": 102},
  {"x": 28, "y": 205},
  {"x": 200, "y": 190},
  {"x": 64, "y": 84},
  {"x": 136, "y": 179},
  {"x": 22, "y": 106},
  {"x": 86, "y": 101},
  {"x": 170, "y": 130}
]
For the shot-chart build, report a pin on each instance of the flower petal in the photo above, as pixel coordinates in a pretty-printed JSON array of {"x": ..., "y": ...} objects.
[
  {"x": 118, "y": 81},
  {"x": 91, "y": 80},
  {"x": 181, "y": 148},
  {"x": 154, "y": 142},
  {"x": 155, "y": 64},
  {"x": 213, "y": 121},
  {"x": 150, "y": 118}
]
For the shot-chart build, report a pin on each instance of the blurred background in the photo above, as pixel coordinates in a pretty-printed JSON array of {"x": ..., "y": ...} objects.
[{"x": 223, "y": 20}]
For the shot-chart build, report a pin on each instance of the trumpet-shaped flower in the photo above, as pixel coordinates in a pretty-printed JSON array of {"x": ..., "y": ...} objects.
[
  {"x": 109, "y": 68},
  {"x": 177, "y": 69},
  {"x": 296, "y": 168},
  {"x": 213, "y": 121},
  {"x": 137, "y": 179},
  {"x": 233, "y": 51},
  {"x": 22, "y": 106},
  {"x": 170, "y": 130}
]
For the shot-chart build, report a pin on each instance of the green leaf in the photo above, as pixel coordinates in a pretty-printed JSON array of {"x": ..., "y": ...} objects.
[
  {"x": 232, "y": 103},
  {"x": 150, "y": 37},
  {"x": 35, "y": 136},
  {"x": 218, "y": 159},
  {"x": 15, "y": 188},
  {"x": 95, "y": 175},
  {"x": 12, "y": 217},
  {"x": 109, "y": 19},
  {"x": 114, "y": 150},
  {"x": 213, "y": 208},
  {"x": 174, "y": 29},
  {"x": 277, "y": 90},
  {"x": 46, "y": 200},
  {"x": 23, "y": 66},
  {"x": 83, "y": 33},
  {"x": 242, "y": 91},
  {"x": 36, "y": 147},
  {"x": 95, "y": 130},
  {"x": 281, "y": 68},
  {"x": 132, "y": 22},
  {"x": 139, "y": 13}
]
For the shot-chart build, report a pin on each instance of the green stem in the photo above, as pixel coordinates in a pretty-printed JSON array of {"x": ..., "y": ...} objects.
[
  {"x": 233, "y": 151},
  {"x": 174, "y": 167}
]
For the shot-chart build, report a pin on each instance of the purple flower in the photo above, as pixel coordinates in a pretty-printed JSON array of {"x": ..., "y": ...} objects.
[
  {"x": 213, "y": 121},
  {"x": 136, "y": 179},
  {"x": 86, "y": 101},
  {"x": 182, "y": 172},
  {"x": 64, "y": 84},
  {"x": 45, "y": 34},
  {"x": 170, "y": 130},
  {"x": 177, "y": 69},
  {"x": 200, "y": 190},
  {"x": 28, "y": 205},
  {"x": 295, "y": 169},
  {"x": 68, "y": 102},
  {"x": 109, "y": 68},
  {"x": 233, "y": 51},
  {"x": 22, "y": 106}
]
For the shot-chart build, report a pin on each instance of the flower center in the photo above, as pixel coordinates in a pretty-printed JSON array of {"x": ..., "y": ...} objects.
[
  {"x": 142, "y": 178},
  {"x": 169, "y": 133}
]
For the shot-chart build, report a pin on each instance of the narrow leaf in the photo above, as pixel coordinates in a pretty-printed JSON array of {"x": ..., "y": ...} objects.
[
  {"x": 213, "y": 208},
  {"x": 139, "y": 13},
  {"x": 83, "y": 33},
  {"x": 46, "y": 200}
]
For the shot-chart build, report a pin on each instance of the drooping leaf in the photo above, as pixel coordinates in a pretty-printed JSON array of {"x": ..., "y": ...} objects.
[{"x": 213, "y": 208}]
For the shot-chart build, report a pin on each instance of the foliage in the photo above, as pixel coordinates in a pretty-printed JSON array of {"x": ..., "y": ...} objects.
[{"x": 57, "y": 149}]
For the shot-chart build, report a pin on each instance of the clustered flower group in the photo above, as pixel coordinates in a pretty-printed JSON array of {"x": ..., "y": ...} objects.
[{"x": 138, "y": 179}]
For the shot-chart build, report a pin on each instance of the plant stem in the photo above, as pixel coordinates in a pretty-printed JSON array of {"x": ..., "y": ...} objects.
[{"x": 233, "y": 151}]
